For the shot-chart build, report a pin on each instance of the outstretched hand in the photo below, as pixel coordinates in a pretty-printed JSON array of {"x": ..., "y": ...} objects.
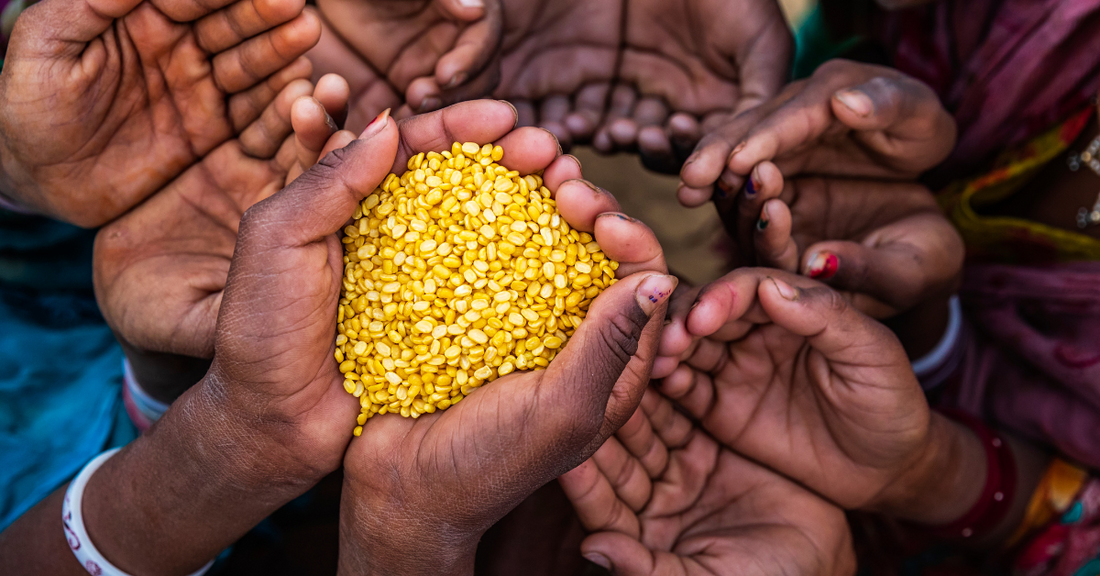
[
  {"x": 848, "y": 119},
  {"x": 784, "y": 371},
  {"x": 663, "y": 497},
  {"x": 107, "y": 101}
]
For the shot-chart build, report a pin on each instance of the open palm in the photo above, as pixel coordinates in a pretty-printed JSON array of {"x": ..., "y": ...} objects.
[
  {"x": 798, "y": 380},
  {"x": 663, "y": 497},
  {"x": 106, "y": 101}
]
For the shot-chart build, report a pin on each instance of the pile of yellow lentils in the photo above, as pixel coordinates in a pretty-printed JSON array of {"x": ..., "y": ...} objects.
[{"x": 456, "y": 273}]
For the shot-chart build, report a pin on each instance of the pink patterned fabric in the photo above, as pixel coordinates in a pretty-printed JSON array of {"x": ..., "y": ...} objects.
[
  {"x": 1033, "y": 362},
  {"x": 1007, "y": 69}
]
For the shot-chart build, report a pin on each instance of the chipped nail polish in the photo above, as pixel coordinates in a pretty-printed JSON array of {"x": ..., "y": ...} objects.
[
  {"x": 823, "y": 266},
  {"x": 750, "y": 188},
  {"x": 762, "y": 224},
  {"x": 653, "y": 291}
]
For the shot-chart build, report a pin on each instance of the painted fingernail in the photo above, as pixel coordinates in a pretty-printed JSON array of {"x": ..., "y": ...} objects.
[
  {"x": 785, "y": 290},
  {"x": 750, "y": 188},
  {"x": 457, "y": 80},
  {"x": 762, "y": 223},
  {"x": 729, "y": 180},
  {"x": 822, "y": 265},
  {"x": 377, "y": 124},
  {"x": 430, "y": 103},
  {"x": 653, "y": 291},
  {"x": 599, "y": 560},
  {"x": 856, "y": 101}
]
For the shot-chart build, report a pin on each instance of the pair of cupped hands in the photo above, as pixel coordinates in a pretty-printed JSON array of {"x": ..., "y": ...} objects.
[{"x": 645, "y": 75}]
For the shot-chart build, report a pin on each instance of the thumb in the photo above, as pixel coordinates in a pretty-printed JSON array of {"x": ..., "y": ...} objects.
[
  {"x": 898, "y": 108},
  {"x": 831, "y": 325},
  {"x": 598, "y": 379},
  {"x": 620, "y": 554},
  {"x": 320, "y": 201}
]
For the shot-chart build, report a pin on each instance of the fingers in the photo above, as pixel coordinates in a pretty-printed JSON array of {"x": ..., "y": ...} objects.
[
  {"x": 320, "y": 202},
  {"x": 625, "y": 555},
  {"x": 893, "y": 111},
  {"x": 476, "y": 45},
  {"x": 589, "y": 105},
  {"x": 63, "y": 27},
  {"x": 242, "y": 20},
  {"x": 249, "y": 63},
  {"x": 724, "y": 301},
  {"x": 595, "y": 500},
  {"x": 630, "y": 243},
  {"x": 245, "y": 107},
  {"x": 312, "y": 118},
  {"x": 764, "y": 64},
  {"x": 830, "y": 324},
  {"x": 264, "y": 137},
  {"x": 917, "y": 257},
  {"x": 581, "y": 202},
  {"x": 597, "y": 380},
  {"x": 775, "y": 248},
  {"x": 476, "y": 121}
]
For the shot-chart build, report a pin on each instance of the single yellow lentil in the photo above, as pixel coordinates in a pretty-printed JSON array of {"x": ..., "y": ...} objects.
[{"x": 456, "y": 273}]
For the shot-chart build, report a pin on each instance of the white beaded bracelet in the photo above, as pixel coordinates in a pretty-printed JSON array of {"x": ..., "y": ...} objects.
[{"x": 72, "y": 516}]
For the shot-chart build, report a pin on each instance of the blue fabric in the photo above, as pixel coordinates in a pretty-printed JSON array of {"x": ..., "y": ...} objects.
[{"x": 60, "y": 366}]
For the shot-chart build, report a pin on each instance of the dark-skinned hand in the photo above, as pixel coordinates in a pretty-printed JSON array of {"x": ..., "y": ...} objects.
[
  {"x": 107, "y": 101},
  {"x": 663, "y": 497},
  {"x": 446, "y": 477},
  {"x": 849, "y": 119},
  {"x": 784, "y": 371}
]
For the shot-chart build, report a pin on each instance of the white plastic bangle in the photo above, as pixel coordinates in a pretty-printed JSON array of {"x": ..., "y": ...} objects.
[
  {"x": 939, "y": 355},
  {"x": 72, "y": 517}
]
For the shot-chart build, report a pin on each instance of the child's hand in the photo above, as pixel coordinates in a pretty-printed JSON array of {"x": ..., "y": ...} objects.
[
  {"x": 107, "y": 101},
  {"x": 783, "y": 370},
  {"x": 433, "y": 52},
  {"x": 848, "y": 119},
  {"x": 885, "y": 244},
  {"x": 664, "y": 498}
]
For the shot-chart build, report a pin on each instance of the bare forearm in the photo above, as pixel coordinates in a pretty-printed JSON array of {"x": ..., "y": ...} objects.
[{"x": 173, "y": 499}]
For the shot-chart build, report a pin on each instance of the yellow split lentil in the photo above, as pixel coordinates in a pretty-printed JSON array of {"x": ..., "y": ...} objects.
[{"x": 456, "y": 273}]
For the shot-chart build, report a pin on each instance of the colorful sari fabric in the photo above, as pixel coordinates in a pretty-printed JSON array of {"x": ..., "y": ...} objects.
[{"x": 1006, "y": 69}]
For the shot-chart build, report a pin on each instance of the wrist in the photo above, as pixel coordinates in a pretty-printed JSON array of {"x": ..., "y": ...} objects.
[
  {"x": 191, "y": 486},
  {"x": 378, "y": 537},
  {"x": 943, "y": 481}
]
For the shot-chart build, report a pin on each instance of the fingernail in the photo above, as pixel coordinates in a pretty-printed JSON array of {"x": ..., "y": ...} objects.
[
  {"x": 472, "y": 3},
  {"x": 653, "y": 291},
  {"x": 331, "y": 123},
  {"x": 430, "y": 104},
  {"x": 729, "y": 180},
  {"x": 737, "y": 149},
  {"x": 556, "y": 141},
  {"x": 762, "y": 223},
  {"x": 856, "y": 101},
  {"x": 822, "y": 265},
  {"x": 599, "y": 191},
  {"x": 577, "y": 160},
  {"x": 785, "y": 290},
  {"x": 750, "y": 188},
  {"x": 618, "y": 215},
  {"x": 457, "y": 80},
  {"x": 599, "y": 560},
  {"x": 377, "y": 124},
  {"x": 515, "y": 113}
]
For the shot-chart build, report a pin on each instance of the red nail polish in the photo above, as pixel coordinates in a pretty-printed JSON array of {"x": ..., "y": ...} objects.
[{"x": 823, "y": 265}]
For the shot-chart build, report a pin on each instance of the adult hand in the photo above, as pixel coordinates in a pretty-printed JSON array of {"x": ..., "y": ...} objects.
[
  {"x": 689, "y": 62},
  {"x": 884, "y": 244},
  {"x": 432, "y": 52},
  {"x": 106, "y": 101},
  {"x": 848, "y": 119},
  {"x": 446, "y": 477},
  {"x": 160, "y": 269},
  {"x": 663, "y": 497},
  {"x": 784, "y": 371}
]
